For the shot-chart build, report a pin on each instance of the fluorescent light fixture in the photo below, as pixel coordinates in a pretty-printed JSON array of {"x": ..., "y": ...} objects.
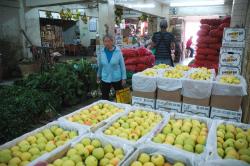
[
  {"x": 149, "y": 5},
  {"x": 197, "y": 3}
]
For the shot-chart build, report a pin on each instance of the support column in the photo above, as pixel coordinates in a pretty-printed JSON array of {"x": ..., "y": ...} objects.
[{"x": 106, "y": 17}]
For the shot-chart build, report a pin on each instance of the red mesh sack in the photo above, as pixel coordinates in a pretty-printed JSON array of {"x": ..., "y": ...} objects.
[
  {"x": 142, "y": 51},
  {"x": 213, "y": 27},
  {"x": 216, "y": 33},
  {"x": 131, "y": 68},
  {"x": 224, "y": 25},
  {"x": 216, "y": 46},
  {"x": 202, "y": 32},
  {"x": 140, "y": 67},
  {"x": 199, "y": 62},
  {"x": 213, "y": 22},
  {"x": 129, "y": 52},
  {"x": 200, "y": 57},
  {"x": 201, "y": 45},
  {"x": 213, "y": 58},
  {"x": 208, "y": 39},
  {"x": 206, "y": 51},
  {"x": 131, "y": 61},
  {"x": 205, "y": 27},
  {"x": 226, "y": 20}
]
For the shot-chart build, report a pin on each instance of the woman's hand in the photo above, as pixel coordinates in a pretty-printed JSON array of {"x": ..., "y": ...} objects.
[{"x": 123, "y": 82}]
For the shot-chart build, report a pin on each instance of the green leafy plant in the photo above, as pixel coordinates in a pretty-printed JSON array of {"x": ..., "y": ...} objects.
[
  {"x": 20, "y": 108},
  {"x": 118, "y": 15}
]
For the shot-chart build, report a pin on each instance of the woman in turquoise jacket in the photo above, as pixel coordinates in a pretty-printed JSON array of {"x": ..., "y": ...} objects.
[{"x": 111, "y": 67}]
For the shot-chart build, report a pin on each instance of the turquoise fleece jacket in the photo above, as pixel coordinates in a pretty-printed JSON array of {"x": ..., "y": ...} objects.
[{"x": 114, "y": 70}]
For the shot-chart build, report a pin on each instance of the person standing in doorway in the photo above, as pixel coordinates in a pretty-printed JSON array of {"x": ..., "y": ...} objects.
[
  {"x": 111, "y": 67},
  {"x": 163, "y": 42},
  {"x": 188, "y": 46}
]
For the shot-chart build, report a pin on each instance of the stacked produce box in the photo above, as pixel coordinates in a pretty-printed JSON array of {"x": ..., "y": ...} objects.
[
  {"x": 209, "y": 42},
  {"x": 130, "y": 136},
  {"x": 138, "y": 59}
]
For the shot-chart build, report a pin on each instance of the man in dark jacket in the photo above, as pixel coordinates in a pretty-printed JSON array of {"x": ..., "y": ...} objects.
[{"x": 163, "y": 42}]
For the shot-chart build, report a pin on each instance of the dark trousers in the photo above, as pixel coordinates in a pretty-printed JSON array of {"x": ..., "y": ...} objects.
[
  {"x": 191, "y": 52},
  {"x": 105, "y": 88}
]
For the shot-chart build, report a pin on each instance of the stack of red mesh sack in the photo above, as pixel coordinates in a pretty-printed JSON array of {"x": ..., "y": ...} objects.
[
  {"x": 138, "y": 59},
  {"x": 209, "y": 42}
]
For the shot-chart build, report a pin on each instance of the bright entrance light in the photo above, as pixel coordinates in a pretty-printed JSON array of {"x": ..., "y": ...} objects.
[
  {"x": 197, "y": 3},
  {"x": 149, "y": 5}
]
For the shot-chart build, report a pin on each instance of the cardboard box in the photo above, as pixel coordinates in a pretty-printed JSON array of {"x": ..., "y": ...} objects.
[
  {"x": 169, "y": 95},
  {"x": 144, "y": 99},
  {"x": 217, "y": 113},
  {"x": 234, "y": 37},
  {"x": 201, "y": 102},
  {"x": 191, "y": 109},
  {"x": 169, "y": 106},
  {"x": 229, "y": 70},
  {"x": 226, "y": 102},
  {"x": 231, "y": 56}
]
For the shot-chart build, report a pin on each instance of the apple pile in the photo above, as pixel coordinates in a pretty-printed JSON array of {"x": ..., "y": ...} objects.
[
  {"x": 149, "y": 72},
  {"x": 134, "y": 125},
  {"x": 182, "y": 67},
  {"x": 34, "y": 146},
  {"x": 94, "y": 114},
  {"x": 229, "y": 79},
  {"x": 233, "y": 142},
  {"x": 145, "y": 159},
  {"x": 201, "y": 74},
  {"x": 173, "y": 73},
  {"x": 161, "y": 66},
  {"x": 91, "y": 152},
  {"x": 186, "y": 134}
]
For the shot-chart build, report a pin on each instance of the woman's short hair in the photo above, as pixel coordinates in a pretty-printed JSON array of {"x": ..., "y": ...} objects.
[
  {"x": 109, "y": 36},
  {"x": 164, "y": 24}
]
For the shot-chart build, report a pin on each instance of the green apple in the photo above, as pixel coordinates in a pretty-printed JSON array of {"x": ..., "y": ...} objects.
[
  {"x": 58, "y": 162},
  {"x": 230, "y": 128},
  {"x": 5, "y": 156},
  {"x": 188, "y": 147},
  {"x": 108, "y": 148},
  {"x": 68, "y": 163},
  {"x": 221, "y": 140},
  {"x": 31, "y": 139},
  {"x": 221, "y": 126},
  {"x": 220, "y": 134},
  {"x": 244, "y": 151},
  {"x": 115, "y": 161},
  {"x": 86, "y": 141},
  {"x": 219, "y": 145},
  {"x": 166, "y": 130},
  {"x": 245, "y": 158},
  {"x": 240, "y": 144},
  {"x": 228, "y": 143},
  {"x": 172, "y": 135},
  {"x": 232, "y": 154},
  {"x": 76, "y": 158},
  {"x": 34, "y": 151},
  {"x": 220, "y": 152},
  {"x": 80, "y": 164},
  {"x": 179, "y": 164},
  {"x": 14, "y": 161},
  {"x": 71, "y": 152},
  {"x": 176, "y": 131},
  {"x": 199, "y": 148},
  {"x": 178, "y": 146},
  {"x": 136, "y": 163},
  {"x": 25, "y": 156},
  {"x": 185, "y": 129},
  {"x": 72, "y": 134},
  {"x": 189, "y": 141},
  {"x": 144, "y": 157},
  {"x": 118, "y": 151},
  {"x": 201, "y": 140},
  {"x": 229, "y": 149},
  {"x": 229, "y": 135},
  {"x": 98, "y": 153},
  {"x": 90, "y": 148},
  {"x": 96, "y": 143},
  {"x": 109, "y": 156},
  {"x": 50, "y": 146},
  {"x": 91, "y": 161},
  {"x": 179, "y": 140},
  {"x": 157, "y": 159},
  {"x": 241, "y": 135},
  {"x": 169, "y": 140},
  {"x": 104, "y": 162},
  {"x": 24, "y": 163}
]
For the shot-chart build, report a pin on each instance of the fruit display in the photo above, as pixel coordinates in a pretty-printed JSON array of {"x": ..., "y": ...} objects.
[
  {"x": 145, "y": 159},
  {"x": 36, "y": 145},
  {"x": 187, "y": 134},
  {"x": 161, "y": 66},
  {"x": 91, "y": 152},
  {"x": 134, "y": 125},
  {"x": 149, "y": 72},
  {"x": 201, "y": 74},
  {"x": 233, "y": 142},
  {"x": 182, "y": 67},
  {"x": 95, "y": 114},
  {"x": 229, "y": 79},
  {"x": 173, "y": 73}
]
